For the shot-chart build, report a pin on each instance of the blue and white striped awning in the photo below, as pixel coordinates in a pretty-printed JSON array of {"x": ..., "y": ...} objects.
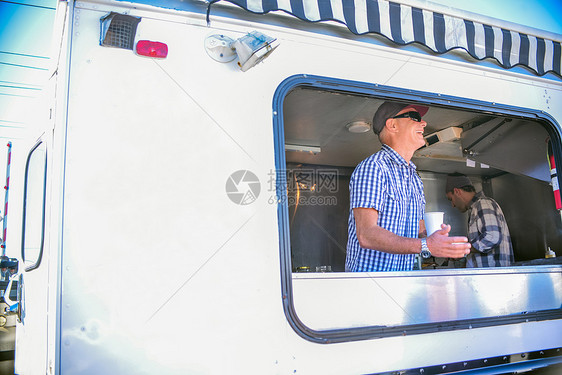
[{"x": 404, "y": 24}]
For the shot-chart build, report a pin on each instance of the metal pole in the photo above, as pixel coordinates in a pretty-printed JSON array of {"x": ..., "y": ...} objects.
[{"x": 7, "y": 188}]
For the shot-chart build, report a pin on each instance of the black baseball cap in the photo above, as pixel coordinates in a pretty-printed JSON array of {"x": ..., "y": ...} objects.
[{"x": 390, "y": 109}]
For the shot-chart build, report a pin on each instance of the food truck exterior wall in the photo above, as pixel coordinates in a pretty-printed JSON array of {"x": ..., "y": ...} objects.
[{"x": 149, "y": 266}]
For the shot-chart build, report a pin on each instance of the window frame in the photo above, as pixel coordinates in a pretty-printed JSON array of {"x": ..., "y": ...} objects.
[{"x": 385, "y": 93}]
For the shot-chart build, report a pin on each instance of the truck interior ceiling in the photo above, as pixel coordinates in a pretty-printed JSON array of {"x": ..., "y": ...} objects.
[{"x": 327, "y": 133}]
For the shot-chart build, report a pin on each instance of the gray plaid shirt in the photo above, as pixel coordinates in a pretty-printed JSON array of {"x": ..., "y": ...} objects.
[{"x": 488, "y": 233}]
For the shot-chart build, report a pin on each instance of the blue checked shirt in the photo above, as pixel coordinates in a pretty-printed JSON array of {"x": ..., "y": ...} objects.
[
  {"x": 488, "y": 233},
  {"x": 386, "y": 182}
]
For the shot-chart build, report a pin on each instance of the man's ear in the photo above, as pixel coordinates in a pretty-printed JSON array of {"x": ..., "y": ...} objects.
[{"x": 390, "y": 125}]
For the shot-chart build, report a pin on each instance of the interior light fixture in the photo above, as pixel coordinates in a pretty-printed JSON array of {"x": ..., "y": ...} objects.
[
  {"x": 358, "y": 127},
  {"x": 302, "y": 148}
]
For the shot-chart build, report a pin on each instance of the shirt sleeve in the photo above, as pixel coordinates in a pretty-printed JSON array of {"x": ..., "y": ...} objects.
[
  {"x": 367, "y": 186},
  {"x": 484, "y": 232}
]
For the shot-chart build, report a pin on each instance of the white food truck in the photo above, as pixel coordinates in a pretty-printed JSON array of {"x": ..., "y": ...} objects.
[{"x": 184, "y": 205}]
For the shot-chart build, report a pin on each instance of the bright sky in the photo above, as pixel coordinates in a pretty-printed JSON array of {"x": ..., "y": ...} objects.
[
  {"x": 25, "y": 40},
  {"x": 540, "y": 14}
]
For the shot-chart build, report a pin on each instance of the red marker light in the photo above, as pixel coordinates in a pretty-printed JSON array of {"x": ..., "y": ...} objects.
[{"x": 152, "y": 49}]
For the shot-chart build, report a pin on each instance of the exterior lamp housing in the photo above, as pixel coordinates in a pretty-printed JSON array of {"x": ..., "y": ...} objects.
[
  {"x": 253, "y": 48},
  {"x": 152, "y": 49}
]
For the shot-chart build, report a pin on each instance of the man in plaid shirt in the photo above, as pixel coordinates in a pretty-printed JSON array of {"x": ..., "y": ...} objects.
[
  {"x": 487, "y": 229},
  {"x": 387, "y": 202}
]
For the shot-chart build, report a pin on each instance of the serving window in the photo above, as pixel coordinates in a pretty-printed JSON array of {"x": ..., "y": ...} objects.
[{"x": 323, "y": 127}]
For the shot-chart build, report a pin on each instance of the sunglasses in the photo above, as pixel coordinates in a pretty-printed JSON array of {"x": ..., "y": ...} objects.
[{"x": 413, "y": 115}]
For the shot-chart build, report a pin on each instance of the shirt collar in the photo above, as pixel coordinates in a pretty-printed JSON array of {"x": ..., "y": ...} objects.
[
  {"x": 476, "y": 197},
  {"x": 396, "y": 157}
]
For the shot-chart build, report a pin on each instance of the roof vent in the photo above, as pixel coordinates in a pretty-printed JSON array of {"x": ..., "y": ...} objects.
[{"x": 118, "y": 30}]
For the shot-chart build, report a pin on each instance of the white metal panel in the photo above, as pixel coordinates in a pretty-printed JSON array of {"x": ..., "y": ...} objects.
[
  {"x": 151, "y": 239},
  {"x": 339, "y": 300}
]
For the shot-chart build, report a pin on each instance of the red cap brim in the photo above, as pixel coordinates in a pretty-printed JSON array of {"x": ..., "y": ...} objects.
[{"x": 422, "y": 110}]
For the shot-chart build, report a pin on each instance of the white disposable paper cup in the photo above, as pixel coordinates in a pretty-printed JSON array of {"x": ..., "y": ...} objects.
[{"x": 433, "y": 221}]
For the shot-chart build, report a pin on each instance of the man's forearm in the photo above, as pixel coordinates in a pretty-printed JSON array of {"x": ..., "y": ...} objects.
[{"x": 380, "y": 239}]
